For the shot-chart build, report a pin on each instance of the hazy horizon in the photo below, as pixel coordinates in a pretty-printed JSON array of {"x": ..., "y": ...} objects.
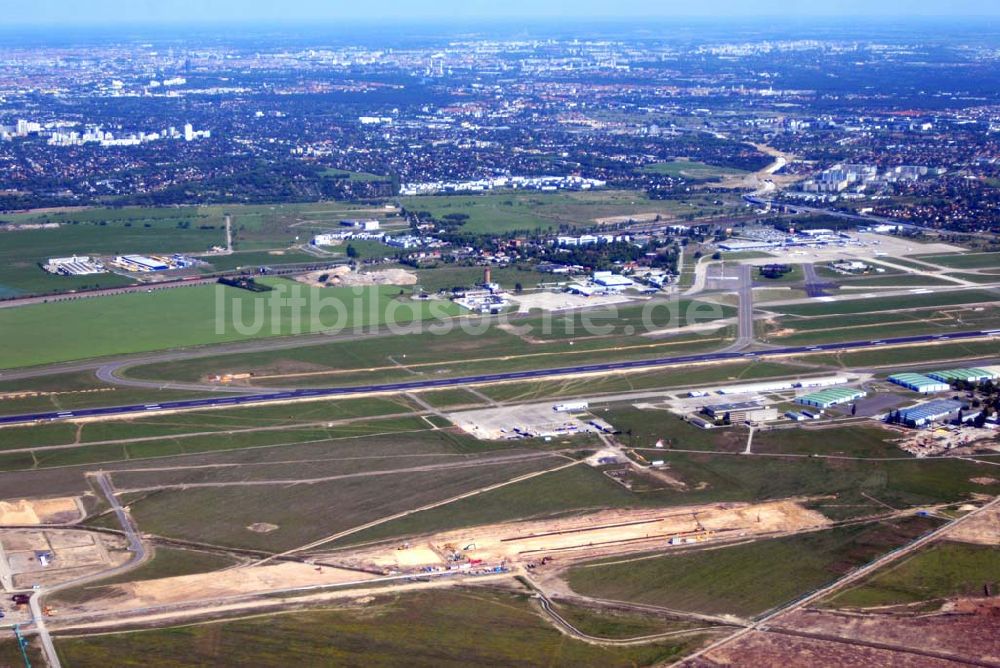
[{"x": 53, "y": 13}]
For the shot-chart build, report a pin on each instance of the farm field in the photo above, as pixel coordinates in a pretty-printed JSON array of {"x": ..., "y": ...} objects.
[
  {"x": 942, "y": 570},
  {"x": 742, "y": 580},
  {"x": 459, "y": 627},
  {"x": 191, "y": 316}
]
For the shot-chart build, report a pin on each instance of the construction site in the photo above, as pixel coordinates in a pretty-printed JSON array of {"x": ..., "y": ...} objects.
[{"x": 528, "y": 545}]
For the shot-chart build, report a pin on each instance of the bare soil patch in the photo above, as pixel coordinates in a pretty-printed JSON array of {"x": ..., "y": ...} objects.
[
  {"x": 584, "y": 537},
  {"x": 983, "y": 529},
  {"x": 766, "y": 650},
  {"x": 40, "y": 511},
  {"x": 345, "y": 276}
]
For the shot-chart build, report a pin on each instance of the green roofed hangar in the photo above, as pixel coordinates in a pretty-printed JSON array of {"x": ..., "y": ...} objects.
[{"x": 831, "y": 396}]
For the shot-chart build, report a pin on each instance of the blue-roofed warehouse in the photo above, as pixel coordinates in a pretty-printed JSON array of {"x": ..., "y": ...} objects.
[{"x": 929, "y": 411}]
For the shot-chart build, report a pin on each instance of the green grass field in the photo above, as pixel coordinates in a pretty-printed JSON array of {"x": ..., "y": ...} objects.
[
  {"x": 943, "y": 570},
  {"x": 881, "y": 324},
  {"x": 796, "y": 275},
  {"x": 901, "y": 483},
  {"x": 459, "y": 627},
  {"x": 353, "y": 176},
  {"x": 157, "y": 230},
  {"x": 869, "y": 305},
  {"x": 963, "y": 260},
  {"x": 618, "y": 624},
  {"x": 939, "y": 352},
  {"x": 647, "y": 380},
  {"x": 575, "y": 489},
  {"x": 742, "y": 579},
  {"x": 189, "y": 444},
  {"x": 10, "y": 653},
  {"x": 690, "y": 169},
  {"x": 305, "y": 513},
  {"x": 195, "y": 315},
  {"x": 976, "y": 278},
  {"x": 447, "y": 277},
  {"x": 21, "y": 251},
  {"x": 78, "y": 389},
  {"x": 497, "y": 213},
  {"x": 522, "y": 343},
  {"x": 892, "y": 280}
]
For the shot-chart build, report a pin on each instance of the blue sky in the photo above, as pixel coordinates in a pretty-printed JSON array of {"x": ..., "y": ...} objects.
[{"x": 56, "y": 12}]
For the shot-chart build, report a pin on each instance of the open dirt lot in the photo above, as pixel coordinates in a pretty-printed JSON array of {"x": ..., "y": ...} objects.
[
  {"x": 587, "y": 536},
  {"x": 766, "y": 650},
  {"x": 218, "y": 585},
  {"x": 974, "y": 633},
  {"x": 984, "y": 529},
  {"x": 73, "y": 554},
  {"x": 344, "y": 276},
  {"x": 40, "y": 511}
]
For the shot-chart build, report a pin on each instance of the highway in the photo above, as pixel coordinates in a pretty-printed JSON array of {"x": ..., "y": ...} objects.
[{"x": 582, "y": 369}]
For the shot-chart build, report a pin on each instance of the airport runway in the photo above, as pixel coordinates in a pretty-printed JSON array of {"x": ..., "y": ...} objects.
[{"x": 287, "y": 395}]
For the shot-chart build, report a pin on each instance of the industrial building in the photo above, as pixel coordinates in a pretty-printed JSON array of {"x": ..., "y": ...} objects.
[
  {"x": 77, "y": 265},
  {"x": 966, "y": 375},
  {"x": 919, "y": 383},
  {"x": 143, "y": 263},
  {"x": 832, "y": 396},
  {"x": 744, "y": 411},
  {"x": 929, "y": 411},
  {"x": 611, "y": 281}
]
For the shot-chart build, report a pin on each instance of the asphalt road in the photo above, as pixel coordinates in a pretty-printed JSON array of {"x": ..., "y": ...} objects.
[
  {"x": 138, "y": 554},
  {"x": 288, "y": 395},
  {"x": 745, "y": 336}
]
